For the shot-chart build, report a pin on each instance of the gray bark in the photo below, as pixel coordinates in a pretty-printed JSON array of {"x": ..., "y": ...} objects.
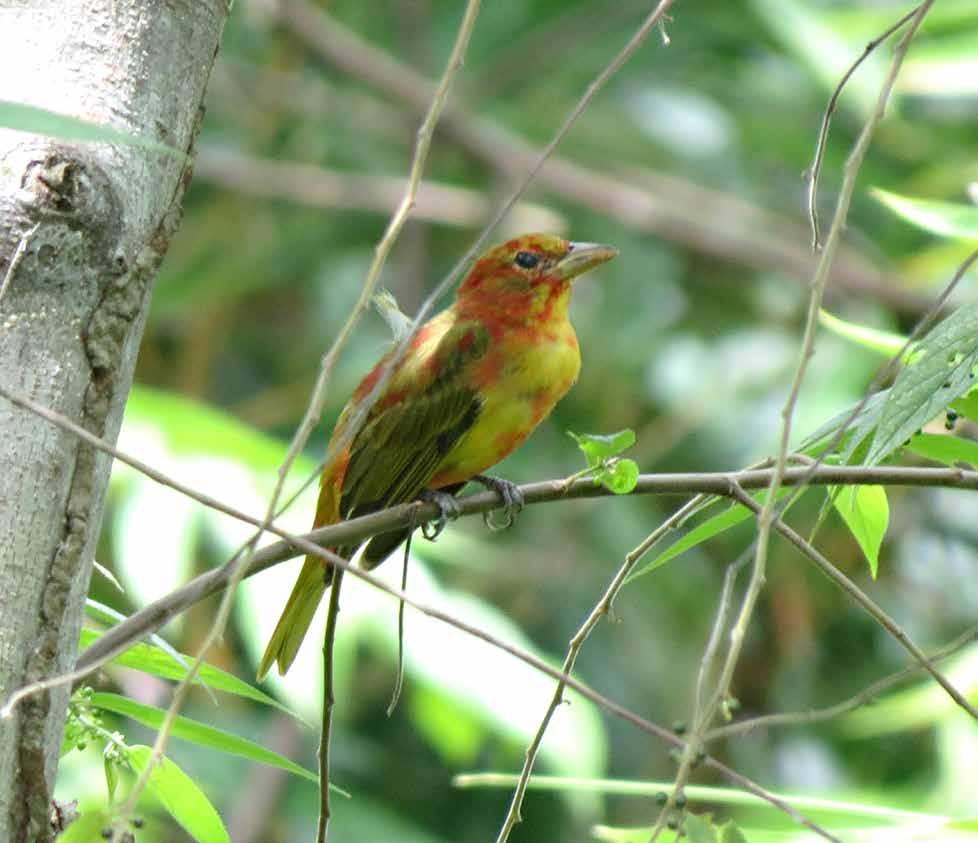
[{"x": 83, "y": 228}]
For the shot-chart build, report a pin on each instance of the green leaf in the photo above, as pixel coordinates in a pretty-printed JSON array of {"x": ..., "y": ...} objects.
[
  {"x": 949, "y": 450},
  {"x": 619, "y": 477},
  {"x": 39, "y": 121},
  {"x": 867, "y": 514},
  {"x": 87, "y": 828},
  {"x": 883, "y": 342},
  {"x": 943, "y": 371},
  {"x": 199, "y": 733},
  {"x": 719, "y": 523},
  {"x": 597, "y": 448},
  {"x": 111, "y": 776},
  {"x": 110, "y": 617},
  {"x": 946, "y": 219},
  {"x": 154, "y": 661},
  {"x": 967, "y": 405},
  {"x": 729, "y": 833},
  {"x": 699, "y": 829},
  {"x": 180, "y": 796}
]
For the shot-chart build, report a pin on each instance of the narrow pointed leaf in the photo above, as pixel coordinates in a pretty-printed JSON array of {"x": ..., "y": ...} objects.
[
  {"x": 946, "y": 219},
  {"x": 154, "y": 661},
  {"x": 40, "y": 121},
  {"x": 199, "y": 733},
  {"x": 180, "y": 796}
]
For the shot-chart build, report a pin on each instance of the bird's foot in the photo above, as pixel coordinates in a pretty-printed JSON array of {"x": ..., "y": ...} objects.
[
  {"x": 512, "y": 500},
  {"x": 447, "y": 509}
]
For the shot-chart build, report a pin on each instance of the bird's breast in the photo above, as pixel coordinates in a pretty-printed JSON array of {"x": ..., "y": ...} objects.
[{"x": 519, "y": 379}]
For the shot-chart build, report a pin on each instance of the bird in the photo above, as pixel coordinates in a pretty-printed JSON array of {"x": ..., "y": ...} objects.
[{"x": 474, "y": 382}]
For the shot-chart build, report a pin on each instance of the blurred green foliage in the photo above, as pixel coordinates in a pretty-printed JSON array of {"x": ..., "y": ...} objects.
[{"x": 689, "y": 338}]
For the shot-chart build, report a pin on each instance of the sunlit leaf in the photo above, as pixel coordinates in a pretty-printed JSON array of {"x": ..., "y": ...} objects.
[
  {"x": 620, "y": 477},
  {"x": 947, "y": 219},
  {"x": 867, "y": 515},
  {"x": 180, "y": 796},
  {"x": 87, "y": 828},
  {"x": 199, "y": 733},
  {"x": 882, "y": 342},
  {"x": 151, "y": 660}
]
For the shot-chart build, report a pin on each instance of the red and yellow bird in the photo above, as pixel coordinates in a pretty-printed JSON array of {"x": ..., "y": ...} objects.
[{"x": 475, "y": 381}]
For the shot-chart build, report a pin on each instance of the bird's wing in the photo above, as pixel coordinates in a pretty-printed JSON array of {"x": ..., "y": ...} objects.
[{"x": 399, "y": 448}]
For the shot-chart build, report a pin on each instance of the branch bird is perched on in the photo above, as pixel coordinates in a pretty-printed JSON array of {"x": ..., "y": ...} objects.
[{"x": 475, "y": 381}]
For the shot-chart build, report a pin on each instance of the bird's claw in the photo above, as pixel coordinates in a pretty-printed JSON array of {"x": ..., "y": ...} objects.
[
  {"x": 512, "y": 500},
  {"x": 448, "y": 509}
]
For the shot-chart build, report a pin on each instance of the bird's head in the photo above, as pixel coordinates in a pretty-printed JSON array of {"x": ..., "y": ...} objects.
[{"x": 528, "y": 272}]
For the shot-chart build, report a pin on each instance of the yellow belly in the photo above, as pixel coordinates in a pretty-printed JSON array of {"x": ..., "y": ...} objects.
[{"x": 521, "y": 383}]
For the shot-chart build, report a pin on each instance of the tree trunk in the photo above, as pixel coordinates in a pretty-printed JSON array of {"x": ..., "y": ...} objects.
[{"x": 83, "y": 228}]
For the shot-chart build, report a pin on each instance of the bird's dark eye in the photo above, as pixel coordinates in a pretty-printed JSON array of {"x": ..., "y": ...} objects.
[{"x": 527, "y": 260}]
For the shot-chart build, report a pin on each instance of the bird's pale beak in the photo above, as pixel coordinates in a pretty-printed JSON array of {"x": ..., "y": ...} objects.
[{"x": 581, "y": 257}]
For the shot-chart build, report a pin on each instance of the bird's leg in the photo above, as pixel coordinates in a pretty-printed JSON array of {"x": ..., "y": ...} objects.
[
  {"x": 447, "y": 509},
  {"x": 511, "y": 495}
]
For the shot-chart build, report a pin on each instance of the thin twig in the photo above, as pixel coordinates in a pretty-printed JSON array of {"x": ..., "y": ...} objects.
[
  {"x": 823, "y": 132},
  {"x": 716, "y": 633},
  {"x": 601, "y": 608},
  {"x": 702, "y": 713},
  {"x": 864, "y": 697},
  {"x": 329, "y": 698}
]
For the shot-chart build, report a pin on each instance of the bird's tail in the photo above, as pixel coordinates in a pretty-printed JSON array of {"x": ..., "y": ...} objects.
[
  {"x": 309, "y": 588},
  {"x": 314, "y": 579}
]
